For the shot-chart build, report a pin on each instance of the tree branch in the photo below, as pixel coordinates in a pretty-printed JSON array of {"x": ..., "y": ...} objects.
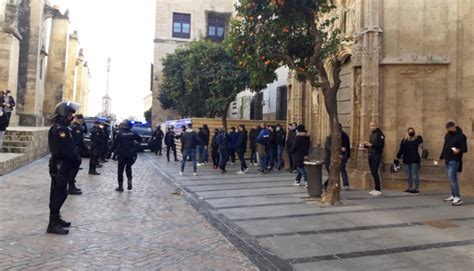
[{"x": 291, "y": 62}]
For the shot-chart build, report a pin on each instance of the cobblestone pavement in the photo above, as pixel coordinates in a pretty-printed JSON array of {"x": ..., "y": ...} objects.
[{"x": 149, "y": 228}]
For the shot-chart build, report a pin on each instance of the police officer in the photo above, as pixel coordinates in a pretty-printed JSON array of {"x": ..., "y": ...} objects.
[
  {"x": 64, "y": 159},
  {"x": 97, "y": 144},
  {"x": 124, "y": 144},
  {"x": 77, "y": 132},
  {"x": 104, "y": 153},
  {"x": 170, "y": 144}
]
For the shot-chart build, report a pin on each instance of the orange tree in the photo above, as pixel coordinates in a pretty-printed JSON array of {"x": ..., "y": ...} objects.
[{"x": 267, "y": 34}]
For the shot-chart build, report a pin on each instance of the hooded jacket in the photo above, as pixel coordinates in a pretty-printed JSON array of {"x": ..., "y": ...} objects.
[
  {"x": 300, "y": 148},
  {"x": 409, "y": 150},
  {"x": 457, "y": 140},
  {"x": 190, "y": 140},
  {"x": 241, "y": 146}
]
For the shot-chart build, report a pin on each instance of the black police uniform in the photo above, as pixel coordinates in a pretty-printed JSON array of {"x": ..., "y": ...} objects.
[
  {"x": 77, "y": 133},
  {"x": 124, "y": 144},
  {"x": 170, "y": 145},
  {"x": 97, "y": 146},
  {"x": 157, "y": 140},
  {"x": 64, "y": 159}
]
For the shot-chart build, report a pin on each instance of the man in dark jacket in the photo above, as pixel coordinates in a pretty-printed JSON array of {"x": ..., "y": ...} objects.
[
  {"x": 215, "y": 149},
  {"x": 97, "y": 145},
  {"x": 157, "y": 140},
  {"x": 170, "y": 144},
  {"x": 190, "y": 141},
  {"x": 202, "y": 146},
  {"x": 455, "y": 145},
  {"x": 241, "y": 148},
  {"x": 253, "y": 144},
  {"x": 289, "y": 144},
  {"x": 77, "y": 132},
  {"x": 272, "y": 148},
  {"x": 375, "y": 146},
  {"x": 299, "y": 151},
  {"x": 125, "y": 144},
  {"x": 223, "y": 141},
  {"x": 345, "y": 154},
  {"x": 233, "y": 143},
  {"x": 206, "y": 130},
  {"x": 280, "y": 142},
  {"x": 9, "y": 104}
]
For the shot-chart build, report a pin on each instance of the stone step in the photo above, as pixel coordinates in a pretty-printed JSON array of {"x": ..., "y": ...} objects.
[
  {"x": 15, "y": 149},
  {"x": 18, "y": 138},
  {"x": 23, "y": 144}
]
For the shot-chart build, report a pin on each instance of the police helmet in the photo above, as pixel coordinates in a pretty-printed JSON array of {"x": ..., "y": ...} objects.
[
  {"x": 64, "y": 109},
  {"x": 125, "y": 124}
]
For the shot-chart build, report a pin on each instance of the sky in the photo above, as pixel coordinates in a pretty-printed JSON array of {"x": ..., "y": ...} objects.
[{"x": 124, "y": 31}]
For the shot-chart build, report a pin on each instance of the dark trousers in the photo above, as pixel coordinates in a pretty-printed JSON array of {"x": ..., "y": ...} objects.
[
  {"x": 232, "y": 155},
  {"x": 253, "y": 155},
  {"x": 374, "y": 164},
  {"x": 9, "y": 116},
  {"x": 243, "y": 165},
  {"x": 171, "y": 148},
  {"x": 124, "y": 164},
  {"x": 223, "y": 158},
  {"x": 290, "y": 157},
  {"x": 72, "y": 180},
  {"x": 158, "y": 149},
  {"x": 94, "y": 161},
  {"x": 215, "y": 157},
  {"x": 60, "y": 174}
]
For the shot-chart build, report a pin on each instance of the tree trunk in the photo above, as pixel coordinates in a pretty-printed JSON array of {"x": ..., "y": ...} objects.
[
  {"x": 224, "y": 115},
  {"x": 332, "y": 195}
]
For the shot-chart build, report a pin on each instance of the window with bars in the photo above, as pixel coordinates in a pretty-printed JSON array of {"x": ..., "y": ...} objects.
[
  {"x": 181, "y": 25},
  {"x": 215, "y": 28}
]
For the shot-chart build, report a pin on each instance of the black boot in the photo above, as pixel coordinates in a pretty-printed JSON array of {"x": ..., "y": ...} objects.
[
  {"x": 94, "y": 173},
  {"x": 129, "y": 187},
  {"x": 63, "y": 223},
  {"x": 55, "y": 226},
  {"x": 73, "y": 190},
  {"x": 120, "y": 186}
]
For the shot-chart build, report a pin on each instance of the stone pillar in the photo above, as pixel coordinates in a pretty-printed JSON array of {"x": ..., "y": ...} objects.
[
  {"x": 85, "y": 89},
  {"x": 31, "y": 75},
  {"x": 71, "y": 67},
  {"x": 370, "y": 66},
  {"x": 56, "y": 71},
  {"x": 80, "y": 80},
  {"x": 9, "y": 52}
]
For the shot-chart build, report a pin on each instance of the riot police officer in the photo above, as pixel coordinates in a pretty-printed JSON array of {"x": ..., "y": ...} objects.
[
  {"x": 97, "y": 145},
  {"x": 124, "y": 144},
  {"x": 77, "y": 132},
  {"x": 64, "y": 159}
]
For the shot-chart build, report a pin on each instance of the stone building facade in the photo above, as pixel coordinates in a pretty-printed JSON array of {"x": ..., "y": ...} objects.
[
  {"x": 37, "y": 55},
  {"x": 179, "y": 22},
  {"x": 406, "y": 64}
]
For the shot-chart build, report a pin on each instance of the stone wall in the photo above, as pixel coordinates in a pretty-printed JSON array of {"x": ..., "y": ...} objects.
[
  {"x": 56, "y": 71},
  {"x": 21, "y": 146},
  {"x": 408, "y": 65}
]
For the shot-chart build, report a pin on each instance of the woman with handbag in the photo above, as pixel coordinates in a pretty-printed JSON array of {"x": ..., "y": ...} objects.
[{"x": 411, "y": 160}]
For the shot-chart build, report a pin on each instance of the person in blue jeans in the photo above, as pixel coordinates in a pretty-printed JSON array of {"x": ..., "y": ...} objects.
[
  {"x": 280, "y": 142},
  {"x": 190, "y": 141},
  {"x": 409, "y": 151},
  {"x": 223, "y": 143},
  {"x": 299, "y": 151},
  {"x": 455, "y": 145},
  {"x": 262, "y": 140},
  {"x": 345, "y": 155}
]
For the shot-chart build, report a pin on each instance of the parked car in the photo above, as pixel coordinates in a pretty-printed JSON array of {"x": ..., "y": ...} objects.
[{"x": 145, "y": 131}]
